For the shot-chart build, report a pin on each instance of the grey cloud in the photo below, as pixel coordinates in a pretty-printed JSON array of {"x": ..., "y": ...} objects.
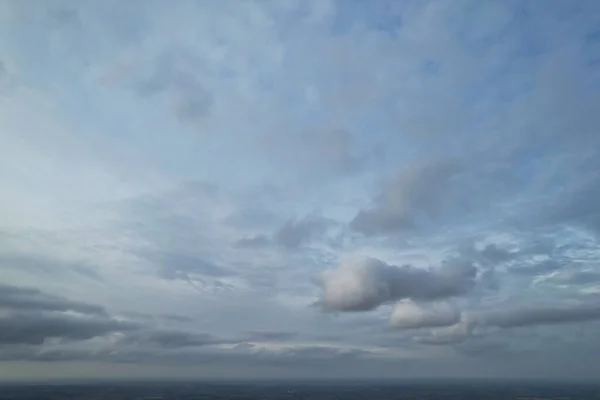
[
  {"x": 294, "y": 233},
  {"x": 237, "y": 356},
  {"x": 316, "y": 153},
  {"x": 483, "y": 349},
  {"x": 164, "y": 317},
  {"x": 537, "y": 268},
  {"x": 35, "y": 328},
  {"x": 334, "y": 148},
  {"x": 362, "y": 284},
  {"x": 474, "y": 325},
  {"x": 39, "y": 264},
  {"x": 258, "y": 336},
  {"x": 171, "y": 338},
  {"x": 183, "y": 266},
  {"x": 541, "y": 316},
  {"x": 412, "y": 315},
  {"x": 457, "y": 333},
  {"x": 493, "y": 254},
  {"x": 30, "y": 299},
  {"x": 253, "y": 242},
  {"x": 415, "y": 194},
  {"x": 291, "y": 234},
  {"x": 577, "y": 278}
]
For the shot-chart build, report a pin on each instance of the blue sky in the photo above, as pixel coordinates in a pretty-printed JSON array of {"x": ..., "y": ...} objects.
[{"x": 299, "y": 189}]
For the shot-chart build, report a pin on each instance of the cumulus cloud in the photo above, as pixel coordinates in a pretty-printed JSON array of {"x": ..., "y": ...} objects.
[
  {"x": 362, "y": 283},
  {"x": 408, "y": 314},
  {"x": 457, "y": 333}
]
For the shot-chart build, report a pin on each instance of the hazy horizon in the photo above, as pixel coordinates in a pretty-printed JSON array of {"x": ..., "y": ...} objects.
[{"x": 299, "y": 189}]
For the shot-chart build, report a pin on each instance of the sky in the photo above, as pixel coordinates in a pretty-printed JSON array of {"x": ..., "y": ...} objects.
[{"x": 299, "y": 189}]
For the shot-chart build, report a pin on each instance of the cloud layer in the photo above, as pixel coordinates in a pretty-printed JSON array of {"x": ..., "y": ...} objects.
[{"x": 388, "y": 188}]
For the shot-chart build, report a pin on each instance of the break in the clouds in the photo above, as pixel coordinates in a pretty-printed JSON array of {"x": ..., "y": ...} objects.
[{"x": 303, "y": 189}]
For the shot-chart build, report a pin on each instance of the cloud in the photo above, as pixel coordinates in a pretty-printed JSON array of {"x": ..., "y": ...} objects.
[
  {"x": 534, "y": 316},
  {"x": 35, "y": 328},
  {"x": 187, "y": 97},
  {"x": 170, "y": 339},
  {"x": 294, "y": 233},
  {"x": 257, "y": 241},
  {"x": 417, "y": 194},
  {"x": 30, "y": 299},
  {"x": 185, "y": 266},
  {"x": 538, "y": 268},
  {"x": 36, "y": 264},
  {"x": 260, "y": 336},
  {"x": 242, "y": 355},
  {"x": 447, "y": 335},
  {"x": 159, "y": 317},
  {"x": 577, "y": 278},
  {"x": 399, "y": 132},
  {"x": 362, "y": 284},
  {"x": 408, "y": 314}
]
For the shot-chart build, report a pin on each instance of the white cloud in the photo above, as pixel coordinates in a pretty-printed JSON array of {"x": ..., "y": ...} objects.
[{"x": 411, "y": 315}]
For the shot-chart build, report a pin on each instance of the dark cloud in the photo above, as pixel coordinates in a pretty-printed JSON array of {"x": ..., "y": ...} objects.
[
  {"x": 35, "y": 328},
  {"x": 259, "y": 336},
  {"x": 159, "y": 317},
  {"x": 30, "y": 299},
  {"x": 492, "y": 254},
  {"x": 291, "y": 234},
  {"x": 294, "y": 233},
  {"x": 246, "y": 355},
  {"x": 362, "y": 284},
  {"x": 38, "y": 264},
  {"x": 170, "y": 338},
  {"x": 416, "y": 194},
  {"x": 523, "y": 317},
  {"x": 483, "y": 349}
]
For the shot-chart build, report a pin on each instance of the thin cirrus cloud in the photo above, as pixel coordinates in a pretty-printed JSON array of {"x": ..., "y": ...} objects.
[{"x": 254, "y": 188}]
